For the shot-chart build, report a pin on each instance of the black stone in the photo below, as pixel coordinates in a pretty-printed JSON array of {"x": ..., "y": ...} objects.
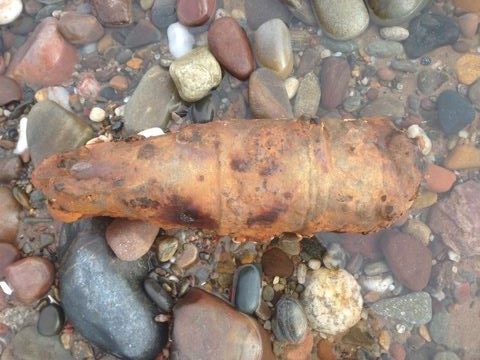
[
  {"x": 247, "y": 288},
  {"x": 164, "y": 13},
  {"x": 103, "y": 296},
  {"x": 203, "y": 111},
  {"x": 51, "y": 320},
  {"x": 158, "y": 295},
  {"x": 428, "y": 32},
  {"x": 290, "y": 322},
  {"x": 454, "y": 111}
]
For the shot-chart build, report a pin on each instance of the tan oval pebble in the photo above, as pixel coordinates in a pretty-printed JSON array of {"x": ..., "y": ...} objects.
[
  {"x": 468, "y": 68},
  {"x": 463, "y": 157},
  {"x": 188, "y": 256}
]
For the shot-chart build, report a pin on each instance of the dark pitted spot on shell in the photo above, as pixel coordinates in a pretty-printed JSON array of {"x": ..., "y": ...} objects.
[
  {"x": 147, "y": 151},
  {"x": 267, "y": 217},
  {"x": 240, "y": 165},
  {"x": 269, "y": 169},
  {"x": 290, "y": 323},
  {"x": 179, "y": 210}
]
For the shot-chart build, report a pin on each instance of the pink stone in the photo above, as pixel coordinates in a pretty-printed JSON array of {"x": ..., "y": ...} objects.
[
  {"x": 439, "y": 179},
  {"x": 195, "y": 12},
  {"x": 88, "y": 87},
  {"x": 45, "y": 59}
]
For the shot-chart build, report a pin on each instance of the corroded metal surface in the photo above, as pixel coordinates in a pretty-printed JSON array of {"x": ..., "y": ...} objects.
[{"x": 244, "y": 178}]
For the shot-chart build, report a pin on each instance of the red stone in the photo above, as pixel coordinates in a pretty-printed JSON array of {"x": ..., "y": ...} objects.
[
  {"x": 9, "y": 213},
  {"x": 30, "y": 278},
  {"x": 275, "y": 262},
  {"x": 9, "y": 91},
  {"x": 365, "y": 245},
  {"x": 409, "y": 260},
  {"x": 195, "y": 12},
  {"x": 334, "y": 78},
  {"x": 439, "y": 179},
  {"x": 45, "y": 59},
  {"x": 207, "y": 327},
  {"x": 8, "y": 254},
  {"x": 130, "y": 239},
  {"x": 229, "y": 43},
  {"x": 299, "y": 351},
  {"x": 461, "y": 292},
  {"x": 113, "y": 12},
  {"x": 325, "y": 350},
  {"x": 397, "y": 351}
]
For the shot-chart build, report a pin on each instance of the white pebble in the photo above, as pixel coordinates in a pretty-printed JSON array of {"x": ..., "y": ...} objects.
[
  {"x": 314, "y": 264},
  {"x": 120, "y": 111},
  {"x": 291, "y": 85},
  {"x": 180, "y": 41},
  {"x": 155, "y": 131},
  {"x": 377, "y": 283},
  {"x": 10, "y": 10},
  {"x": 452, "y": 255},
  {"x": 22, "y": 144},
  {"x": 276, "y": 280},
  {"x": 97, "y": 114},
  {"x": 423, "y": 141},
  {"x": 400, "y": 328},
  {"x": 301, "y": 273}
]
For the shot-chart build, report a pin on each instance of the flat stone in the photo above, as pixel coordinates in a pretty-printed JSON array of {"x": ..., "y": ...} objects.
[
  {"x": 158, "y": 295},
  {"x": 384, "y": 48},
  {"x": 152, "y": 102},
  {"x": 92, "y": 279},
  {"x": 409, "y": 260},
  {"x": 9, "y": 90},
  {"x": 30, "y": 278},
  {"x": 454, "y": 329},
  {"x": 438, "y": 178},
  {"x": 195, "y": 74},
  {"x": 195, "y": 12},
  {"x": 113, "y": 12},
  {"x": 79, "y": 29},
  {"x": 308, "y": 96},
  {"x": 45, "y": 59},
  {"x": 276, "y": 263},
  {"x": 346, "y": 46},
  {"x": 28, "y": 344},
  {"x": 334, "y": 79},
  {"x": 220, "y": 332},
  {"x": 392, "y": 12},
  {"x": 273, "y": 47},
  {"x": 144, "y": 33},
  {"x": 468, "y": 68},
  {"x": 51, "y": 320},
  {"x": 47, "y": 118},
  {"x": 454, "y": 111},
  {"x": 10, "y": 10},
  {"x": 429, "y": 32},
  {"x": 430, "y": 80},
  {"x": 332, "y": 301},
  {"x": 229, "y": 43},
  {"x": 267, "y": 95},
  {"x": 130, "y": 239},
  {"x": 468, "y": 24},
  {"x": 394, "y": 33},
  {"x": 167, "y": 248},
  {"x": 407, "y": 66},
  {"x": 468, "y": 5},
  {"x": 188, "y": 256},
  {"x": 341, "y": 19},
  {"x": 9, "y": 213},
  {"x": 456, "y": 219},
  {"x": 290, "y": 323},
  {"x": 259, "y": 12},
  {"x": 418, "y": 230},
  {"x": 164, "y": 13},
  {"x": 463, "y": 156},
  {"x": 247, "y": 288},
  {"x": 411, "y": 309},
  {"x": 384, "y": 106},
  {"x": 8, "y": 255}
]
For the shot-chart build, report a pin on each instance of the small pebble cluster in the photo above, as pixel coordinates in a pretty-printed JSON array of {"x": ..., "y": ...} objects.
[{"x": 76, "y": 73}]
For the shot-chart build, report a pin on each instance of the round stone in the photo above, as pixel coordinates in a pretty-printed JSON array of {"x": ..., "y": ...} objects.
[
  {"x": 276, "y": 263},
  {"x": 51, "y": 320},
  {"x": 394, "y": 12},
  {"x": 195, "y": 12},
  {"x": 332, "y": 301},
  {"x": 341, "y": 19},
  {"x": 10, "y": 10},
  {"x": 97, "y": 114}
]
